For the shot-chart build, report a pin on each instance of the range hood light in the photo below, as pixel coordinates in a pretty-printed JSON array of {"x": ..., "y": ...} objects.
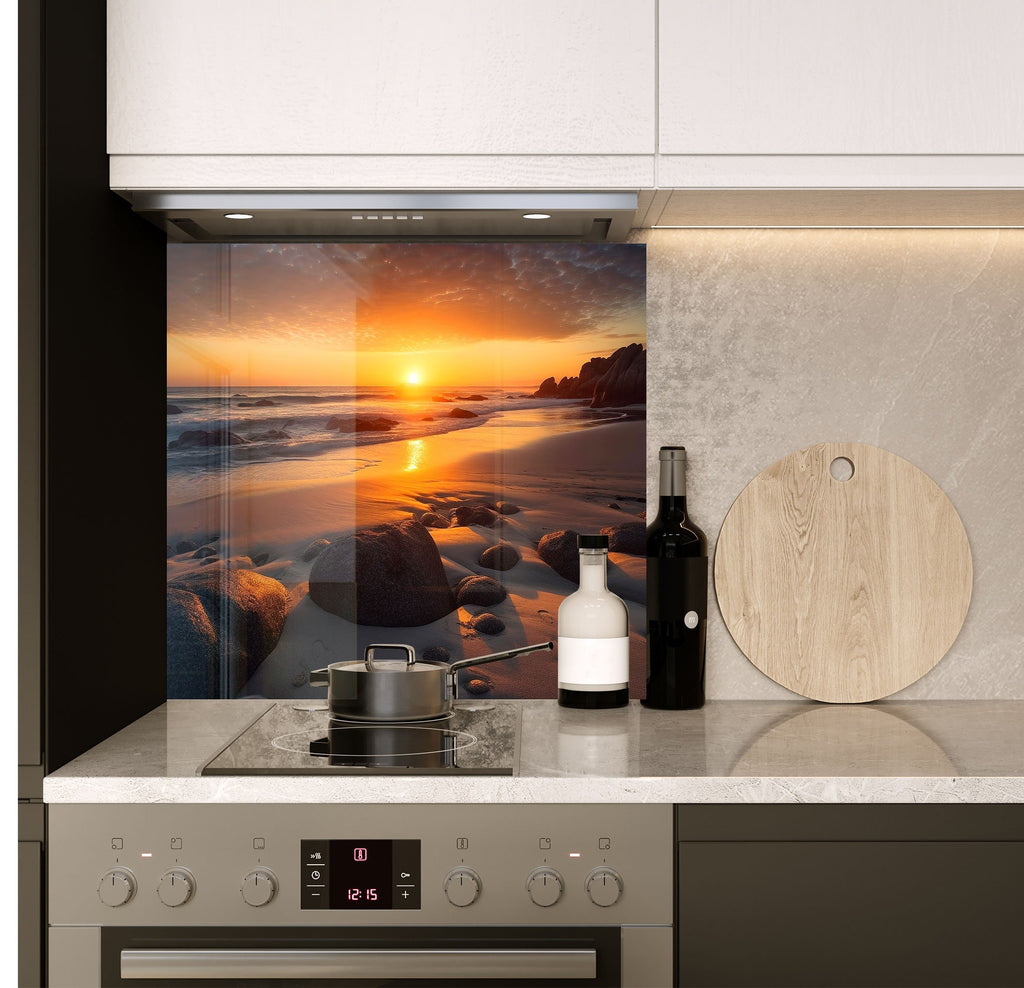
[
  {"x": 536, "y": 216},
  {"x": 238, "y": 216}
]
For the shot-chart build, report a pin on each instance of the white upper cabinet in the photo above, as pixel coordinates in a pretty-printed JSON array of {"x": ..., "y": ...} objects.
[
  {"x": 381, "y": 77},
  {"x": 841, "y": 77}
]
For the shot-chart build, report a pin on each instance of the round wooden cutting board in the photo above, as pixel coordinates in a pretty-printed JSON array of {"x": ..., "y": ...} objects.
[{"x": 843, "y": 590}]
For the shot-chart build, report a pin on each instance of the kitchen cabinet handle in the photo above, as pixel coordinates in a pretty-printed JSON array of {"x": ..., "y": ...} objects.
[{"x": 450, "y": 965}]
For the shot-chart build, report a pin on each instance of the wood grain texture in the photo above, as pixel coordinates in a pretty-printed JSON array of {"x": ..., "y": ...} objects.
[{"x": 843, "y": 591}]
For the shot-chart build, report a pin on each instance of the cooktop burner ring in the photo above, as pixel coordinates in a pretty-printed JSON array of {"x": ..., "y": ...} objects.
[{"x": 301, "y": 741}]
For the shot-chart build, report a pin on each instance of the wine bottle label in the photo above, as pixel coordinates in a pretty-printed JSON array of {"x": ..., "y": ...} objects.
[{"x": 591, "y": 664}]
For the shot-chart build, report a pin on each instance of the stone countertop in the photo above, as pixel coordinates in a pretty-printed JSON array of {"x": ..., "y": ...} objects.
[{"x": 921, "y": 751}]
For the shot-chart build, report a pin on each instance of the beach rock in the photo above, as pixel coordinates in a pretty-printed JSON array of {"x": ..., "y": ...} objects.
[
  {"x": 192, "y": 659},
  {"x": 479, "y": 590},
  {"x": 245, "y": 612},
  {"x": 462, "y": 413},
  {"x": 547, "y": 389},
  {"x": 629, "y": 538},
  {"x": 173, "y": 409},
  {"x": 270, "y": 436},
  {"x": 507, "y": 508},
  {"x": 479, "y": 685},
  {"x": 561, "y": 552},
  {"x": 260, "y": 558},
  {"x": 470, "y": 398},
  {"x": 199, "y": 438},
  {"x": 473, "y": 514},
  {"x": 427, "y": 418},
  {"x": 432, "y": 520},
  {"x": 436, "y": 653},
  {"x": 614, "y": 506},
  {"x": 625, "y": 380},
  {"x": 620, "y": 379},
  {"x": 314, "y": 549},
  {"x": 360, "y": 423},
  {"x": 203, "y": 552},
  {"x": 209, "y": 560},
  {"x": 502, "y": 556},
  {"x": 487, "y": 624},
  {"x": 263, "y": 403},
  {"x": 185, "y": 546},
  {"x": 390, "y": 576},
  {"x": 440, "y": 398}
]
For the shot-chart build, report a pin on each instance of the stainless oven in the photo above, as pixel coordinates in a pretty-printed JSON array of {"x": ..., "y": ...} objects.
[{"x": 315, "y": 894}]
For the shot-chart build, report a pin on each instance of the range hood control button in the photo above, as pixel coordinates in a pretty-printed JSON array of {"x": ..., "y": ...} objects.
[
  {"x": 176, "y": 887},
  {"x": 545, "y": 886},
  {"x": 604, "y": 886},
  {"x": 117, "y": 887},
  {"x": 462, "y": 887},
  {"x": 259, "y": 886}
]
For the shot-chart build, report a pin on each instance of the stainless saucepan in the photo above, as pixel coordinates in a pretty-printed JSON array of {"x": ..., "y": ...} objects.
[{"x": 393, "y": 690}]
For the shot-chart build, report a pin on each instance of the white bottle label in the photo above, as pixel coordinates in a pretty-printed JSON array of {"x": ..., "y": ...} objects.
[{"x": 593, "y": 664}]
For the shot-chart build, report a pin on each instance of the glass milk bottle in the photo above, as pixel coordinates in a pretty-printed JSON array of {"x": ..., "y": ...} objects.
[{"x": 593, "y": 636}]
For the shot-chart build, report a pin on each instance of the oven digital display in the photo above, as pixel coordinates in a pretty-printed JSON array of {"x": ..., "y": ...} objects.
[{"x": 360, "y": 874}]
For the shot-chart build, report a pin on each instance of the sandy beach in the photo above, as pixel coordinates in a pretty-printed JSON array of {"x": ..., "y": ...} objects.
[{"x": 549, "y": 468}]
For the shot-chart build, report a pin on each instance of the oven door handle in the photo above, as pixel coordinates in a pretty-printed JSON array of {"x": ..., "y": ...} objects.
[{"x": 450, "y": 965}]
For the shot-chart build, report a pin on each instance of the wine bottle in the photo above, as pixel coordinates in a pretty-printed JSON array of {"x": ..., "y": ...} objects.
[
  {"x": 593, "y": 636},
  {"x": 677, "y": 594}
]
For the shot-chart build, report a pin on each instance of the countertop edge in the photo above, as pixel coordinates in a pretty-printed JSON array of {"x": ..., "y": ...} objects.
[{"x": 420, "y": 789}]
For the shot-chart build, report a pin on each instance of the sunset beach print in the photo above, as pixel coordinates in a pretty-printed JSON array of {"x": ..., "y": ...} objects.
[{"x": 396, "y": 443}]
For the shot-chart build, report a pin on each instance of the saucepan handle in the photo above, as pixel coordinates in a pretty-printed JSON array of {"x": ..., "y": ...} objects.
[
  {"x": 497, "y": 656},
  {"x": 410, "y": 655},
  {"x": 319, "y": 677}
]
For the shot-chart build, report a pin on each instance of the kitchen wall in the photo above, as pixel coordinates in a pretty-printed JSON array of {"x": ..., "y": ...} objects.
[{"x": 762, "y": 342}]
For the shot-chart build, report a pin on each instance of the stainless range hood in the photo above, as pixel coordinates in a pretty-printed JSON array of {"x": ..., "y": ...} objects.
[{"x": 268, "y": 216}]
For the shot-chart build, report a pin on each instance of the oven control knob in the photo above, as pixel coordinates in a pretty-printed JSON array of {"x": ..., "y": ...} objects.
[
  {"x": 176, "y": 887},
  {"x": 117, "y": 887},
  {"x": 259, "y": 886},
  {"x": 604, "y": 887},
  {"x": 545, "y": 886},
  {"x": 462, "y": 887}
]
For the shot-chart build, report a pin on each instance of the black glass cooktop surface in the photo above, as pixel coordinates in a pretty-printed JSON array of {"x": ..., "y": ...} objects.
[{"x": 296, "y": 738}]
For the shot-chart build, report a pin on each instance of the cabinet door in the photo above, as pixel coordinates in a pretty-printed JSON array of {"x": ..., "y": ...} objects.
[
  {"x": 826, "y": 77},
  {"x": 825, "y": 914},
  {"x": 384, "y": 77}
]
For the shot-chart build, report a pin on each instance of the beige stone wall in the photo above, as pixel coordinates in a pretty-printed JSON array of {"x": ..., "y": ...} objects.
[{"x": 765, "y": 341}]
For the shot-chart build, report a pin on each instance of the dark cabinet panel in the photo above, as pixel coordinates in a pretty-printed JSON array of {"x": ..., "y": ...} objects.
[{"x": 823, "y": 913}]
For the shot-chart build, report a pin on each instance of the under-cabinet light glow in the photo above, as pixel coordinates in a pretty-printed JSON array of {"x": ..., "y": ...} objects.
[
  {"x": 238, "y": 216},
  {"x": 536, "y": 216}
]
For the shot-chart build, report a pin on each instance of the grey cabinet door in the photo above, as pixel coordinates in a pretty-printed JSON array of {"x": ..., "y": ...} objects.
[{"x": 934, "y": 914}]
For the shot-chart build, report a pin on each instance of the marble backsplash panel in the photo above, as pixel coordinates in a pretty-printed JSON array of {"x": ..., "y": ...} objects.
[{"x": 762, "y": 342}]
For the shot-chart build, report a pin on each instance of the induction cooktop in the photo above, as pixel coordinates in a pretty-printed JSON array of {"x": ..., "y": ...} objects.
[{"x": 300, "y": 738}]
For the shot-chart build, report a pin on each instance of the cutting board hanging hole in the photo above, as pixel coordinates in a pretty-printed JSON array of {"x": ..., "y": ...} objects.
[{"x": 841, "y": 469}]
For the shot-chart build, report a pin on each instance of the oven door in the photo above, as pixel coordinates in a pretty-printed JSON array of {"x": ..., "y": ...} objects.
[{"x": 362, "y": 956}]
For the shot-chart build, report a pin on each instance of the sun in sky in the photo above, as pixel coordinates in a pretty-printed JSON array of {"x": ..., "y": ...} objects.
[{"x": 413, "y": 377}]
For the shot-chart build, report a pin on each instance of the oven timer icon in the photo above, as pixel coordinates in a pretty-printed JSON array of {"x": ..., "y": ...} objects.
[{"x": 359, "y": 854}]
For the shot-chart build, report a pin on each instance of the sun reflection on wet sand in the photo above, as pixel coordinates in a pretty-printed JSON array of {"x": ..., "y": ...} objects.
[{"x": 414, "y": 449}]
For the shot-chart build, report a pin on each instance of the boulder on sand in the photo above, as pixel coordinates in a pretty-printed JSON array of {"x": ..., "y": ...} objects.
[
  {"x": 560, "y": 550},
  {"x": 479, "y": 590},
  {"x": 390, "y": 576},
  {"x": 473, "y": 514},
  {"x": 462, "y": 413},
  {"x": 630, "y": 538},
  {"x": 502, "y": 556},
  {"x": 232, "y": 612}
]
